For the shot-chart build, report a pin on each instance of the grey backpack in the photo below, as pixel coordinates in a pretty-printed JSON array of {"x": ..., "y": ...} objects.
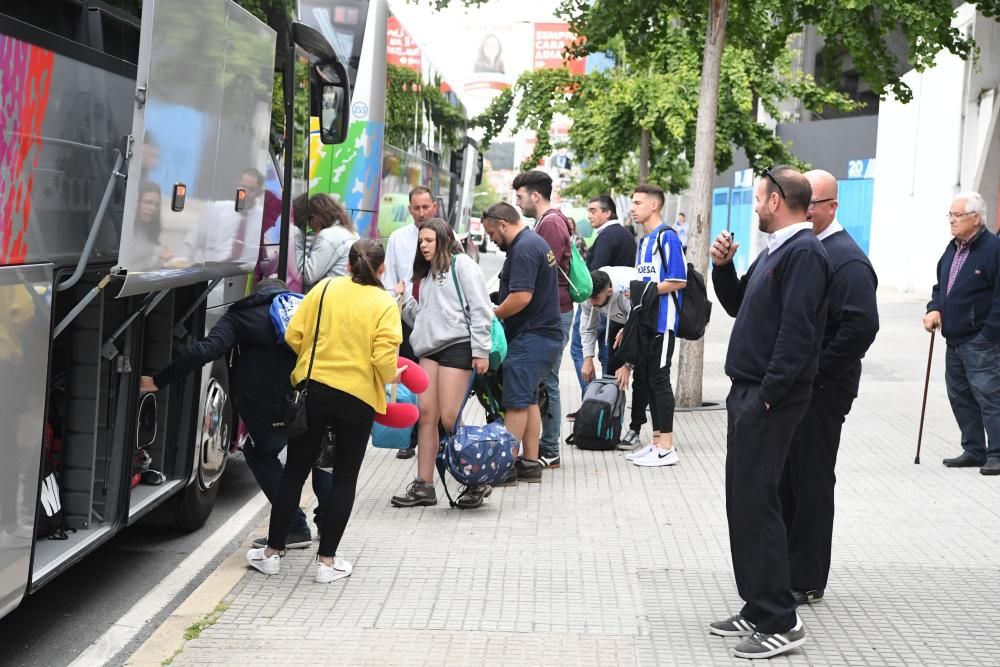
[{"x": 598, "y": 424}]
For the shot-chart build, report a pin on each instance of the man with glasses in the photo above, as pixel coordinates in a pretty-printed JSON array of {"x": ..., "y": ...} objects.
[
  {"x": 965, "y": 305},
  {"x": 807, "y": 484},
  {"x": 780, "y": 309}
]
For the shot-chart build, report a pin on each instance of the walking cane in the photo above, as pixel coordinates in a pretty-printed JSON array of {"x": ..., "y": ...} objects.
[{"x": 923, "y": 405}]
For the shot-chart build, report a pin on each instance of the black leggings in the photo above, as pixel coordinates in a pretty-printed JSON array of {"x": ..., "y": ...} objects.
[
  {"x": 656, "y": 380},
  {"x": 351, "y": 421}
]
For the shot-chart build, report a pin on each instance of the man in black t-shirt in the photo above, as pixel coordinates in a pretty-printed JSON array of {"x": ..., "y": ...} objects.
[{"x": 529, "y": 308}]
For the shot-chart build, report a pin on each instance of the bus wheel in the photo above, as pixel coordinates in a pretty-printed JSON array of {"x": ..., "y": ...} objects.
[{"x": 198, "y": 498}]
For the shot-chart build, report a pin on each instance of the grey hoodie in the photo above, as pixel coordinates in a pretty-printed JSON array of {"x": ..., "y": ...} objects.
[{"x": 438, "y": 321}]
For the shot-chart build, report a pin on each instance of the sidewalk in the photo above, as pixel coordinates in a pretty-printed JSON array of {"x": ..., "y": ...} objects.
[{"x": 605, "y": 563}]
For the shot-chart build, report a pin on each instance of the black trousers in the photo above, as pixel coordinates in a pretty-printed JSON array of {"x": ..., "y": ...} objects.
[
  {"x": 640, "y": 401},
  {"x": 757, "y": 444},
  {"x": 807, "y": 487},
  {"x": 351, "y": 421},
  {"x": 655, "y": 381}
]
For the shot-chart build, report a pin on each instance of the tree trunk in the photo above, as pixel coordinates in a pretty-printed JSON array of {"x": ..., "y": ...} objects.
[
  {"x": 692, "y": 353},
  {"x": 643, "y": 155}
]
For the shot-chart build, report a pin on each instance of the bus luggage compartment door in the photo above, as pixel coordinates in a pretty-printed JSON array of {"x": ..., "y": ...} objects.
[{"x": 25, "y": 320}]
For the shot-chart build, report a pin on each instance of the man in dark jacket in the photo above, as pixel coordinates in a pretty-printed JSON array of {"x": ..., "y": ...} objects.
[
  {"x": 807, "y": 484},
  {"x": 780, "y": 307},
  {"x": 965, "y": 305},
  {"x": 263, "y": 367}
]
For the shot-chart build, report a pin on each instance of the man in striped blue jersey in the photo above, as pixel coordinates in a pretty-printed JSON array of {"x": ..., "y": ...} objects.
[{"x": 660, "y": 259}]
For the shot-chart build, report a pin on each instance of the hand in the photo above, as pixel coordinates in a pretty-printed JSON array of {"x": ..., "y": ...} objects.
[
  {"x": 618, "y": 339},
  {"x": 146, "y": 385},
  {"x": 480, "y": 365},
  {"x": 723, "y": 249},
  {"x": 587, "y": 370},
  {"x": 622, "y": 376},
  {"x": 400, "y": 288},
  {"x": 399, "y": 374},
  {"x": 932, "y": 321}
]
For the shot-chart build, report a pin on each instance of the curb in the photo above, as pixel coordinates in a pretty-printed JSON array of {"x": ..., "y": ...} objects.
[{"x": 167, "y": 641}]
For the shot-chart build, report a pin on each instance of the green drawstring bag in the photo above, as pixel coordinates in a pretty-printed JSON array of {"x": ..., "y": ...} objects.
[{"x": 581, "y": 285}]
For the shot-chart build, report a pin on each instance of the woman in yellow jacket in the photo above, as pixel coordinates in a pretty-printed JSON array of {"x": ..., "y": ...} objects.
[{"x": 359, "y": 337}]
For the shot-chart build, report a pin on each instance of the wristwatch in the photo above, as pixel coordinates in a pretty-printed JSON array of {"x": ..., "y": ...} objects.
[{"x": 631, "y": 367}]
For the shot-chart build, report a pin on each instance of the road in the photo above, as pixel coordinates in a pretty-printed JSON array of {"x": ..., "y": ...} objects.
[{"x": 54, "y": 625}]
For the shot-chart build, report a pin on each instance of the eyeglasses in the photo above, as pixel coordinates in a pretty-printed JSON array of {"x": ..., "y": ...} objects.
[
  {"x": 814, "y": 202},
  {"x": 956, "y": 216},
  {"x": 767, "y": 174}
]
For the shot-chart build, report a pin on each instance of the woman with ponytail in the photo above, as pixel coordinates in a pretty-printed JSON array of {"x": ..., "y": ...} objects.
[{"x": 356, "y": 356}]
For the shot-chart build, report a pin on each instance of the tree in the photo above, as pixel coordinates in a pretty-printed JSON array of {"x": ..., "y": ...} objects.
[{"x": 739, "y": 47}]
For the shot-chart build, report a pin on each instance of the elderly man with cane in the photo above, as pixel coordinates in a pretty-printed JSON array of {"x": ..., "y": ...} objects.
[
  {"x": 965, "y": 306},
  {"x": 807, "y": 484}
]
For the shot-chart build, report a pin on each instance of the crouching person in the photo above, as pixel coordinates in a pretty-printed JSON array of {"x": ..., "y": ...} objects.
[{"x": 262, "y": 369}]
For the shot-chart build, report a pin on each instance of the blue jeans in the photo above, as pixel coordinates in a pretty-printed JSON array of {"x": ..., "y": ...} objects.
[
  {"x": 262, "y": 458},
  {"x": 576, "y": 347},
  {"x": 972, "y": 374},
  {"x": 552, "y": 419}
]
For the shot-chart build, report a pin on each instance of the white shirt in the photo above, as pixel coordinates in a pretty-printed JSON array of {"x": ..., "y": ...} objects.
[
  {"x": 399, "y": 254},
  {"x": 616, "y": 308},
  {"x": 607, "y": 224},
  {"x": 777, "y": 239},
  {"x": 834, "y": 227}
]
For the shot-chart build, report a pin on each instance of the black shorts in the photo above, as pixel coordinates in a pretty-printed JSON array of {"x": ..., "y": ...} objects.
[{"x": 457, "y": 356}]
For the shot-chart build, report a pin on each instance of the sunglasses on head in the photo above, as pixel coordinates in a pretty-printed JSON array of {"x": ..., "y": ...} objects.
[{"x": 767, "y": 174}]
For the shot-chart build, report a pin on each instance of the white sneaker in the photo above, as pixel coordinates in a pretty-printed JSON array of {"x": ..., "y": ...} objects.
[
  {"x": 657, "y": 457},
  {"x": 326, "y": 574},
  {"x": 639, "y": 453},
  {"x": 258, "y": 560}
]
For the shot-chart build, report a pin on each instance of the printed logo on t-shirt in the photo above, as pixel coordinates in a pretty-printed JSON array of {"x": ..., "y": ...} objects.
[
  {"x": 550, "y": 257},
  {"x": 646, "y": 269}
]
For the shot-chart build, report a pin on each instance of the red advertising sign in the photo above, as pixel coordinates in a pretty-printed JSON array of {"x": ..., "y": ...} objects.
[
  {"x": 400, "y": 47},
  {"x": 550, "y": 40}
]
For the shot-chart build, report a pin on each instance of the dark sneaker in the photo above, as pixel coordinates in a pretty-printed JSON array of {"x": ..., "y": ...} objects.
[
  {"x": 528, "y": 471},
  {"x": 406, "y": 453},
  {"x": 966, "y": 460},
  {"x": 473, "y": 496},
  {"x": 808, "y": 597},
  {"x": 761, "y": 645},
  {"x": 297, "y": 540},
  {"x": 630, "y": 442},
  {"x": 511, "y": 478},
  {"x": 550, "y": 461},
  {"x": 418, "y": 494},
  {"x": 734, "y": 626},
  {"x": 991, "y": 468}
]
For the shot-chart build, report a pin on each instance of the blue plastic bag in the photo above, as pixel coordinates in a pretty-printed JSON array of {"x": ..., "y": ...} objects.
[{"x": 283, "y": 307}]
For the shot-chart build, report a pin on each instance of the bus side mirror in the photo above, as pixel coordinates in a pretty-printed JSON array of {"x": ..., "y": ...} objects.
[
  {"x": 479, "y": 168},
  {"x": 331, "y": 101}
]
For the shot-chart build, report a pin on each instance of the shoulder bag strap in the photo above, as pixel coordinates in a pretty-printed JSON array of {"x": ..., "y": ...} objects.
[
  {"x": 461, "y": 300},
  {"x": 319, "y": 318}
]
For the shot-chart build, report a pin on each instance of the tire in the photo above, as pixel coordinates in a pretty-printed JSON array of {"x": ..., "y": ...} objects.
[{"x": 195, "y": 504}]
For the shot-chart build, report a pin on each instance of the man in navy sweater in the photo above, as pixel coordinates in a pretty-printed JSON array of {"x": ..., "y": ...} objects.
[
  {"x": 965, "y": 305},
  {"x": 780, "y": 309},
  {"x": 851, "y": 324}
]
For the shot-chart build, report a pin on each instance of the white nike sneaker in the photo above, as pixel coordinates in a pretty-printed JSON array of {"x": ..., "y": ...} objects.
[
  {"x": 658, "y": 457},
  {"x": 258, "y": 560},
  {"x": 326, "y": 574},
  {"x": 639, "y": 453}
]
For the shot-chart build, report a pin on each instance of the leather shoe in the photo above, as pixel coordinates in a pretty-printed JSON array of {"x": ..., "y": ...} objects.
[
  {"x": 966, "y": 460},
  {"x": 807, "y": 597},
  {"x": 405, "y": 453},
  {"x": 992, "y": 467}
]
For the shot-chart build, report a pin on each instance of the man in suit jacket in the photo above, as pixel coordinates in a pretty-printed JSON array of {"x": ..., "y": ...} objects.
[{"x": 965, "y": 305}]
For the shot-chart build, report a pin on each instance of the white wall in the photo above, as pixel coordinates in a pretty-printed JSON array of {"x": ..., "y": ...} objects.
[{"x": 927, "y": 151}]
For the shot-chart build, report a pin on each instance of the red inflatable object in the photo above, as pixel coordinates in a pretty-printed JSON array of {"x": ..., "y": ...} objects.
[
  {"x": 414, "y": 378},
  {"x": 398, "y": 415}
]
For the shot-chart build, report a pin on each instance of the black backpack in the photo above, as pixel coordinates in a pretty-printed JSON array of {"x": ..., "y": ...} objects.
[
  {"x": 696, "y": 310},
  {"x": 598, "y": 424}
]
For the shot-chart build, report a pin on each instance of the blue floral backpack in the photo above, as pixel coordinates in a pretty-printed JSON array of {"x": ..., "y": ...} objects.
[{"x": 476, "y": 455}]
